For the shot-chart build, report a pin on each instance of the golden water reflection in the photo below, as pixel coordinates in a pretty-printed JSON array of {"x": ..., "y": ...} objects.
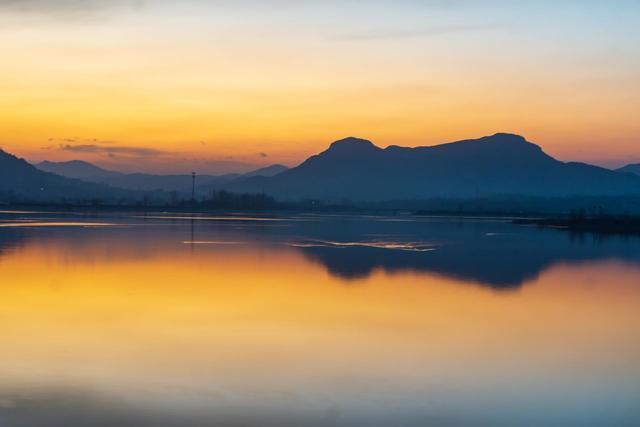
[{"x": 253, "y": 334}]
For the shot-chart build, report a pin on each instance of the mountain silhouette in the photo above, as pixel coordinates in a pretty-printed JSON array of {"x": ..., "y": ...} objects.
[
  {"x": 131, "y": 181},
  {"x": 633, "y": 168},
  {"x": 77, "y": 169},
  {"x": 147, "y": 182},
  {"x": 266, "y": 171},
  {"x": 498, "y": 165},
  {"x": 20, "y": 180}
]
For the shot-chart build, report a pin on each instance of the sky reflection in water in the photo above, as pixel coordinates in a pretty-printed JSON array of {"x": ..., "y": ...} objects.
[{"x": 318, "y": 321}]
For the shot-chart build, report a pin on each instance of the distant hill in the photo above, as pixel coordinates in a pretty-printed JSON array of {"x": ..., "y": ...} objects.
[
  {"x": 267, "y": 171},
  {"x": 502, "y": 164},
  {"x": 148, "y": 182},
  {"x": 132, "y": 181},
  {"x": 634, "y": 168},
  {"x": 21, "y": 181},
  {"x": 222, "y": 181},
  {"x": 77, "y": 169}
]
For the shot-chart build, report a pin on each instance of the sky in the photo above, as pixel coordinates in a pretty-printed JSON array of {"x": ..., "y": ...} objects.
[{"x": 218, "y": 86}]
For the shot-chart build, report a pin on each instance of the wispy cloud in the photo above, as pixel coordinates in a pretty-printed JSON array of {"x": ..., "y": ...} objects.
[
  {"x": 79, "y": 140},
  {"x": 112, "y": 149},
  {"x": 417, "y": 32}
]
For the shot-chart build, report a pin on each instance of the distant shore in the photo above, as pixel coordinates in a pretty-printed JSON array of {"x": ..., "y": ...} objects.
[
  {"x": 601, "y": 224},
  {"x": 605, "y": 224},
  {"x": 279, "y": 209}
]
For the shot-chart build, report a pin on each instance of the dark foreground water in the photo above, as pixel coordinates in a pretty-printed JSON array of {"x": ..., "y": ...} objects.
[{"x": 180, "y": 320}]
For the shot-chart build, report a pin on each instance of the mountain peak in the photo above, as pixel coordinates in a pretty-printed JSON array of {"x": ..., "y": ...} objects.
[
  {"x": 506, "y": 137},
  {"x": 511, "y": 143},
  {"x": 352, "y": 144}
]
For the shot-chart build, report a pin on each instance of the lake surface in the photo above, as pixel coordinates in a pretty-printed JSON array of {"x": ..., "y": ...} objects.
[{"x": 192, "y": 320}]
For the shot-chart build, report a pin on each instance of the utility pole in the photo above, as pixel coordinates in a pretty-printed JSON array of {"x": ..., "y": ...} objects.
[{"x": 193, "y": 188}]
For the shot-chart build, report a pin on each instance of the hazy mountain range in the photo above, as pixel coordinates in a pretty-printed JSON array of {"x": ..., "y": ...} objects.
[
  {"x": 147, "y": 182},
  {"x": 21, "y": 180},
  {"x": 498, "y": 165},
  {"x": 501, "y": 165}
]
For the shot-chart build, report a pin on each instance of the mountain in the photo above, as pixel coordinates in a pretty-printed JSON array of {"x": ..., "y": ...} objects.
[
  {"x": 89, "y": 172},
  {"x": 222, "y": 181},
  {"x": 634, "y": 168},
  {"x": 77, "y": 169},
  {"x": 498, "y": 165},
  {"x": 266, "y": 171},
  {"x": 148, "y": 182},
  {"x": 22, "y": 181}
]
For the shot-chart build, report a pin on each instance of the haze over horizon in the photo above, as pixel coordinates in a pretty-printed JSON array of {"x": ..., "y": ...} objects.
[{"x": 220, "y": 86}]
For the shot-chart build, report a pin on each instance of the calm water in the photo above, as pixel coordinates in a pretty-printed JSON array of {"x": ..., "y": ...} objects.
[{"x": 170, "y": 320}]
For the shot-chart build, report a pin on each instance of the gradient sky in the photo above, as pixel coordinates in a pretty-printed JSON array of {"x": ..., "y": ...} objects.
[{"x": 214, "y": 86}]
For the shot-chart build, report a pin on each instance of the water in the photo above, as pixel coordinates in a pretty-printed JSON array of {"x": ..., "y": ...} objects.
[{"x": 181, "y": 320}]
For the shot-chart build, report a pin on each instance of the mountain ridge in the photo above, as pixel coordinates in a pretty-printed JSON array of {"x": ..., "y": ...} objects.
[
  {"x": 78, "y": 169},
  {"x": 633, "y": 168},
  {"x": 355, "y": 169},
  {"x": 500, "y": 164},
  {"x": 22, "y": 181},
  {"x": 137, "y": 181}
]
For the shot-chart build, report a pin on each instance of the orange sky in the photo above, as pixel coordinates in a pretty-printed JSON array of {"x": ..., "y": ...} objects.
[{"x": 220, "y": 86}]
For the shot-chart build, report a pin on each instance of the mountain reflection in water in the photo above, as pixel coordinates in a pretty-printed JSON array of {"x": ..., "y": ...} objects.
[
  {"x": 315, "y": 321},
  {"x": 491, "y": 253}
]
